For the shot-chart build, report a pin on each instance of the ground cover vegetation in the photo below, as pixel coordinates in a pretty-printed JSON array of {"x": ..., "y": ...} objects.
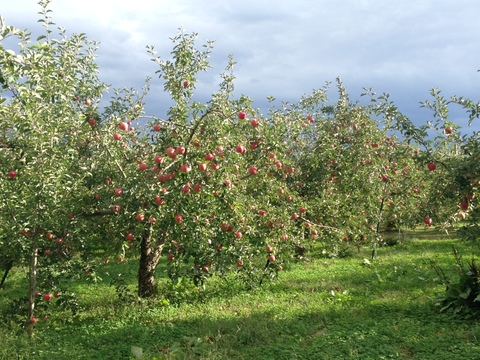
[{"x": 161, "y": 219}]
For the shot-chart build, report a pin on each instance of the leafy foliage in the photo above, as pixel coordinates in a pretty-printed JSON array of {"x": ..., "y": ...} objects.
[
  {"x": 216, "y": 188},
  {"x": 462, "y": 294}
]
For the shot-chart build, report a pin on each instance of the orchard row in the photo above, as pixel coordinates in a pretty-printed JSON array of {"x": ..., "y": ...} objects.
[{"x": 215, "y": 187}]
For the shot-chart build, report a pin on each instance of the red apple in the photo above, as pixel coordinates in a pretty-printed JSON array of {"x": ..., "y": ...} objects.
[
  {"x": 261, "y": 212},
  {"x": 140, "y": 217},
  {"x": 238, "y": 235},
  {"x": 171, "y": 153},
  {"x": 118, "y": 192},
  {"x": 284, "y": 237},
  {"x": 56, "y": 294},
  {"x": 448, "y": 130},
  {"x": 142, "y": 166},
  {"x": 117, "y": 136},
  {"x": 47, "y": 252},
  {"x": 129, "y": 236},
  {"x": 253, "y": 170},
  {"x": 431, "y": 166},
  {"x": 215, "y": 166},
  {"x": 202, "y": 167},
  {"x": 303, "y": 210},
  {"x": 47, "y": 297},
  {"x": 157, "y": 127},
  {"x": 12, "y": 174},
  {"x": 159, "y": 201},
  {"x": 123, "y": 126},
  {"x": 462, "y": 215},
  {"x": 170, "y": 257},
  {"x": 242, "y": 115},
  {"x": 294, "y": 216},
  {"x": 428, "y": 221},
  {"x": 241, "y": 149},
  {"x": 197, "y": 188},
  {"x": 209, "y": 156},
  {"x": 464, "y": 205},
  {"x": 186, "y": 83},
  {"x": 116, "y": 208},
  {"x": 240, "y": 262},
  {"x": 88, "y": 102},
  {"x": 185, "y": 168},
  {"x": 158, "y": 159},
  {"x": 92, "y": 122},
  {"x": 186, "y": 189},
  {"x": 269, "y": 248},
  {"x": 180, "y": 150},
  {"x": 25, "y": 233},
  {"x": 271, "y": 258},
  {"x": 178, "y": 218},
  {"x": 254, "y": 122}
]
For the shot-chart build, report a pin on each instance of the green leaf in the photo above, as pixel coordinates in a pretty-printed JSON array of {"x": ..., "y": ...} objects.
[{"x": 465, "y": 294}]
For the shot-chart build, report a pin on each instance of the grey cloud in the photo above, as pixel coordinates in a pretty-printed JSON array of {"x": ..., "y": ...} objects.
[{"x": 286, "y": 48}]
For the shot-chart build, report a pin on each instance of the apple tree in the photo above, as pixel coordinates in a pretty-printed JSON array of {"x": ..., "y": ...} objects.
[
  {"x": 47, "y": 89},
  {"x": 358, "y": 175},
  {"x": 206, "y": 187}
]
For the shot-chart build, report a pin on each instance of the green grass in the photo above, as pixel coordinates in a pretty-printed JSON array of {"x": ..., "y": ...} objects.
[{"x": 321, "y": 309}]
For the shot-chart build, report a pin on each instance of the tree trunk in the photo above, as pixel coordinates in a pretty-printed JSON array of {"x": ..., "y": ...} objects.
[
  {"x": 32, "y": 288},
  {"x": 377, "y": 230},
  {"x": 149, "y": 256},
  {"x": 8, "y": 267}
]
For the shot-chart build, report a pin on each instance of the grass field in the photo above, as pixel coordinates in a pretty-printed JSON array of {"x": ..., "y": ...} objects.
[{"x": 317, "y": 309}]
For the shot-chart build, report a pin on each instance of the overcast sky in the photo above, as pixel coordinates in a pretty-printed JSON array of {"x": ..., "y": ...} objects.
[{"x": 287, "y": 48}]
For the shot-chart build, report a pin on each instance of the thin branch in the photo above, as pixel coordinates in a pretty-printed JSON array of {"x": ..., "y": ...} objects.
[{"x": 319, "y": 225}]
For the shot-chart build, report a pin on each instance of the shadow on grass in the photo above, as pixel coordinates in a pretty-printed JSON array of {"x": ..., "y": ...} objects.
[{"x": 294, "y": 328}]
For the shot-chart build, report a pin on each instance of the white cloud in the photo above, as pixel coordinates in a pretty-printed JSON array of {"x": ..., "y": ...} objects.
[{"x": 287, "y": 48}]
